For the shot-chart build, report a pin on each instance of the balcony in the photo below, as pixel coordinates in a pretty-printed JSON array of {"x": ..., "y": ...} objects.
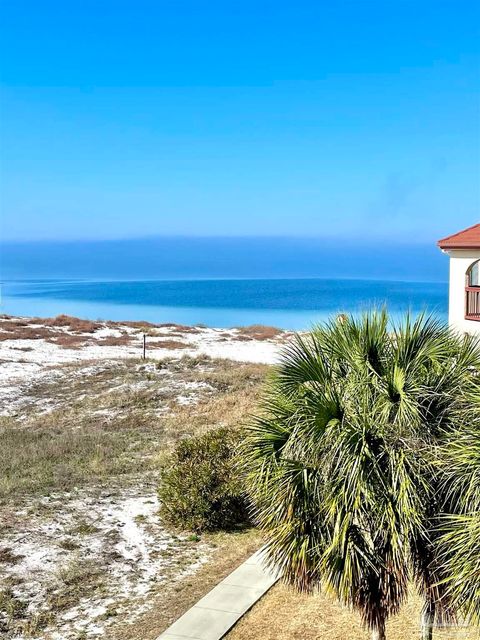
[{"x": 472, "y": 303}]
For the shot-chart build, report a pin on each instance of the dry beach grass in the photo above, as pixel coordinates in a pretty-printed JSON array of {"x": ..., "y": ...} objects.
[
  {"x": 111, "y": 420},
  {"x": 283, "y": 614},
  {"x": 81, "y": 544},
  {"x": 259, "y": 332}
]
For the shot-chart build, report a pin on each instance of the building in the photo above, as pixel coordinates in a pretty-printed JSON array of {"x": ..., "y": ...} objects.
[{"x": 463, "y": 248}]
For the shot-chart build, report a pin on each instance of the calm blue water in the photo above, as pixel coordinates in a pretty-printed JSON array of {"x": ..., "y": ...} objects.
[
  {"x": 223, "y": 282},
  {"x": 287, "y": 303}
]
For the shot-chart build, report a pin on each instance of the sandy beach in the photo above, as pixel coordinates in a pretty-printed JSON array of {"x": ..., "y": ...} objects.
[
  {"x": 29, "y": 346},
  {"x": 84, "y": 421}
]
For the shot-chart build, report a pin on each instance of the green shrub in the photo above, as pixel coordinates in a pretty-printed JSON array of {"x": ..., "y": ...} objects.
[{"x": 201, "y": 487}]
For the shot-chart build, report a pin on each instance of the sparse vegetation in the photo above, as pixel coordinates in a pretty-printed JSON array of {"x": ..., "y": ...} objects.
[
  {"x": 180, "y": 328},
  {"x": 19, "y": 331},
  {"x": 113, "y": 421},
  {"x": 69, "y": 341},
  {"x": 45, "y": 328},
  {"x": 45, "y": 458},
  {"x": 115, "y": 341},
  {"x": 168, "y": 344},
  {"x": 83, "y": 445},
  {"x": 15, "y": 619},
  {"x": 78, "y": 325},
  {"x": 76, "y": 579},
  {"x": 83, "y": 528},
  {"x": 259, "y": 332}
]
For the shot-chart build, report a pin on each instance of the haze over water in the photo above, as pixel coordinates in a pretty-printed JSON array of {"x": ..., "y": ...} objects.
[{"x": 221, "y": 282}]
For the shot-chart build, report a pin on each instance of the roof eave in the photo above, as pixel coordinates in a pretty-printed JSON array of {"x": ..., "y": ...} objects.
[{"x": 458, "y": 246}]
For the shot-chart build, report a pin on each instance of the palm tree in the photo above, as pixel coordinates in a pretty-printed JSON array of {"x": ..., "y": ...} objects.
[
  {"x": 340, "y": 464},
  {"x": 454, "y": 406},
  {"x": 460, "y": 527}
]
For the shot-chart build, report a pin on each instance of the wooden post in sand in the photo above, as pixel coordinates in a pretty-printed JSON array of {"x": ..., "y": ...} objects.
[{"x": 144, "y": 345}]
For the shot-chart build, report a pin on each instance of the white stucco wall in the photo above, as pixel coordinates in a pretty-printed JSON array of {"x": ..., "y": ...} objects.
[{"x": 460, "y": 261}]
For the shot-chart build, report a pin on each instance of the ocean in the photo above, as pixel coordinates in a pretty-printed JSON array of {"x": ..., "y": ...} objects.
[
  {"x": 287, "y": 303},
  {"x": 290, "y": 284}
]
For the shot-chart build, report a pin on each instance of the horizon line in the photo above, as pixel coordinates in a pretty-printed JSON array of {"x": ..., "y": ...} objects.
[{"x": 325, "y": 238}]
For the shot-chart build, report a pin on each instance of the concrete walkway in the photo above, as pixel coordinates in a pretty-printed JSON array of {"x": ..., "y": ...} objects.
[{"x": 219, "y": 610}]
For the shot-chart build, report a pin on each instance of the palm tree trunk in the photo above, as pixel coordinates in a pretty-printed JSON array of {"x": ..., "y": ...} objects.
[
  {"x": 379, "y": 632},
  {"x": 426, "y": 621}
]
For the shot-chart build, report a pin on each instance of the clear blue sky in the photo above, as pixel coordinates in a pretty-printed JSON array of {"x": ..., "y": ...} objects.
[{"x": 137, "y": 118}]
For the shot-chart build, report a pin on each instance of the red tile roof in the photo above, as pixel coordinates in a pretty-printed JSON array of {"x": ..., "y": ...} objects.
[{"x": 466, "y": 239}]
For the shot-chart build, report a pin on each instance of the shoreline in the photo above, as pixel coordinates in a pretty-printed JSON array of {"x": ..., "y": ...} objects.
[{"x": 29, "y": 346}]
